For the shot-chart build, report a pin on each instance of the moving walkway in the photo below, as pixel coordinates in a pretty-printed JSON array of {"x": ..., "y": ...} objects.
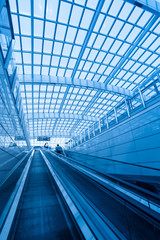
[{"x": 54, "y": 198}]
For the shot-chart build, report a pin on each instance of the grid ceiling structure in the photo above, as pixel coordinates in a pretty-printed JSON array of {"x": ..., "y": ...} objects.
[{"x": 112, "y": 42}]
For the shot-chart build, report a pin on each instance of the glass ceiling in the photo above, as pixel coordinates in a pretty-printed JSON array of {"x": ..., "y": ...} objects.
[{"x": 113, "y": 42}]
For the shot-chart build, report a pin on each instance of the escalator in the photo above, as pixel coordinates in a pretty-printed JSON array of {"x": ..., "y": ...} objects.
[
  {"x": 42, "y": 213},
  {"x": 133, "y": 222},
  {"x": 10, "y": 171}
]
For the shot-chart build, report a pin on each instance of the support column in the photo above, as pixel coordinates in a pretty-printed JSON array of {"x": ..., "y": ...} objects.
[
  {"x": 115, "y": 113},
  {"x": 127, "y": 108},
  {"x": 142, "y": 98},
  {"x": 100, "y": 126}
]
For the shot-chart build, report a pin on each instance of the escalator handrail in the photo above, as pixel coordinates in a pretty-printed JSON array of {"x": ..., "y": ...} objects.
[{"x": 142, "y": 209}]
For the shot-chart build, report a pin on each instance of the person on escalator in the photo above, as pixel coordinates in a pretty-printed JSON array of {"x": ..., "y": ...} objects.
[{"x": 59, "y": 149}]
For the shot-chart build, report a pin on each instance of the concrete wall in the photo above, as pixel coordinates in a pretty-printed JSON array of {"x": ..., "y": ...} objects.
[{"x": 136, "y": 140}]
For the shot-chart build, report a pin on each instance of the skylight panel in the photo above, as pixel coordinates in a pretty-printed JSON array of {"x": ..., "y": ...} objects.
[
  {"x": 25, "y": 23},
  {"x": 63, "y": 62},
  {"x": 129, "y": 64},
  {"x": 138, "y": 53},
  {"x": 83, "y": 75},
  {"x": 27, "y": 70},
  {"x": 120, "y": 83},
  {"x": 64, "y": 12},
  {"x": 133, "y": 35},
  {"x": 101, "y": 69},
  {"x": 17, "y": 43},
  {"x": 135, "y": 15},
  {"x": 116, "y": 28},
  {"x": 63, "y": 89},
  {"x": 99, "y": 41},
  {"x": 85, "y": 54},
  {"x": 60, "y": 32},
  {"x": 121, "y": 74},
  {"x": 92, "y": 3},
  {"x": 125, "y": 31},
  {"x": 39, "y": 8},
  {"x": 152, "y": 58},
  {"x": 87, "y": 66},
  {"x": 71, "y": 33},
  {"x": 28, "y": 87},
  {"x": 68, "y": 73},
  {"x": 135, "y": 67},
  {"x": 157, "y": 29},
  {"x": 15, "y": 24},
  {"x": 100, "y": 57},
  {"x": 127, "y": 76},
  {"x": 75, "y": 51},
  {"x": 98, "y": 23},
  {"x": 144, "y": 19},
  {"x": 115, "y": 60},
  {"x": 115, "y": 7},
  {"x": 106, "y": 5},
  {"x": 36, "y": 70},
  {"x": 24, "y": 7},
  {"x": 13, "y": 6},
  {"x": 148, "y": 71},
  {"x": 36, "y": 87},
  {"x": 76, "y": 16},
  {"x": 81, "y": 65},
  {"x": 67, "y": 49},
  {"x": 26, "y": 44},
  {"x": 38, "y": 28},
  {"x": 53, "y": 71},
  {"x": 27, "y": 58},
  {"x": 108, "y": 58},
  {"x": 108, "y": 70},
  {"x": 49, "y": 30},
  {"x": 123, "y": 49},
  {"x": 86, "y": 19},
  {"x": 47, "y": 48},
  {"x": 46, "y": 60},
  {"x": 115, "y": 46},
  {"x": 55, "y": 61},
  {"x": 126, "y": 10},
  {"x": 91, "y": 40},
  {"x": 61, "y": 72},
  {"x": 107, "y": 44},
  {"x": 51, "y": 12},
  {"x": 149, "y": 40},
  {"x": 37, "y": 45},
  {"x": 92, "y": 55},
  {"x": 57, "y": 48},
  {"x": 141, "y": 69},
  {"x": 71, "y": 63},
  {"x": 155, "y": 46},
  {"x": 107, "y": 25},
  {"x": 80, "y": 37}
]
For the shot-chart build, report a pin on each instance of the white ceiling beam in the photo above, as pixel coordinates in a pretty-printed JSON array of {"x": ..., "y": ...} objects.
[
  {"x": 93, "y": 85},
  {"x": 61, "y": 116}
]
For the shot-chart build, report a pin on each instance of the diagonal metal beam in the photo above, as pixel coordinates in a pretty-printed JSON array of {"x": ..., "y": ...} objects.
[{"x": 91, "y": 27}]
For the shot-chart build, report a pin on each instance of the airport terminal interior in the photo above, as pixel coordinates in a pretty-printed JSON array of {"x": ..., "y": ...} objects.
[{"x": 80, "y": 119}]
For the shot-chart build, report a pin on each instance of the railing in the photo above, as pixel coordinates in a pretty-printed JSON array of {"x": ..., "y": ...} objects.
[{"x": 123, "y": 111}]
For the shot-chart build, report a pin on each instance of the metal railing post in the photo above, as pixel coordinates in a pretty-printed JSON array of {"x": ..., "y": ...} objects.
[{"x": 142, "y": 98}]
